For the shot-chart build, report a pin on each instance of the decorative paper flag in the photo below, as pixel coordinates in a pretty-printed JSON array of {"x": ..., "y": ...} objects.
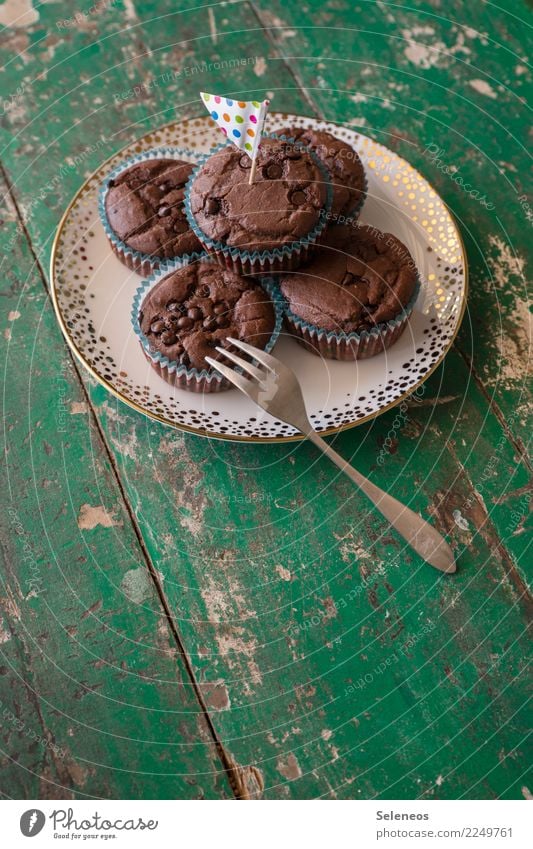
[{"x": 241, "y": 121}]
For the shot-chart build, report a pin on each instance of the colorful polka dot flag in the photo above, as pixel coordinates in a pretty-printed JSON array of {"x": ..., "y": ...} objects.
[{"x": 241, "y": 121}]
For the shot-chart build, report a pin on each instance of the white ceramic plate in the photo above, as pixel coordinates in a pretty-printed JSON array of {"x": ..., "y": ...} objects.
[{"x": 93, "y": 292}]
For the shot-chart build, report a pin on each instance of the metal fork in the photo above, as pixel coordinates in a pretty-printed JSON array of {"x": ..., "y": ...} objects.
[{"x": 275, "y": 388}]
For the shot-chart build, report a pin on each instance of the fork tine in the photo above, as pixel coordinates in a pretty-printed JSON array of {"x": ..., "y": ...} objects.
[
  {"x": 261, "y": 356},
  {"x": 244, "y": 364},
  {"x": 237, "y": 380}
]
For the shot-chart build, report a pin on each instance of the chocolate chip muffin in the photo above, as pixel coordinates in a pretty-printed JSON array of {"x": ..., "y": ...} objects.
[
  {"x": 353, "y": 299},
  {"x": 344, "y": 165},
  {"x": 144, "y": 213},
  {"x": 269, "y": 225},
  {"x": 188, "y": 312}
]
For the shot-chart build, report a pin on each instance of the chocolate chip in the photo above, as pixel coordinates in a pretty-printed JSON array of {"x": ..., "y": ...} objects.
[
  {"x": 194, "y": 313},
  {"x": 209, "y": 323},
  {"x": 157, "y": 326},
  {"x": 292, "y": 151},
  {"x": 185, "y": 323},
  {"x": 222, "y": 321},
  {"x": 174, "y": 306},
  {"x": 348, "y": 279},
  {"x": 165, "y": 187},
  {"x": 212, "y": 206},
  {"x": 168, "y": 338},
  {"x": 163, "y": 211},
  {"x": 272, "y": 171},
  {"x": 219, "y": 309},
  {"x": 111, "y": 184},
  {"x": 245, "y": 161},
  {"x": 298, "y": 198},
  {"x": 185, "y": 359}
]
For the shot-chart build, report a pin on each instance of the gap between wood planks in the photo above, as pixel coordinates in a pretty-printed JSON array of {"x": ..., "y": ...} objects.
[
  {"x": 485, "y": 528},
  {"x": 267, "y": 30},
  {"x": 239, "y": 777},
  {"x": 516, "y": 442},
  {"x": 246, "y": 782}
]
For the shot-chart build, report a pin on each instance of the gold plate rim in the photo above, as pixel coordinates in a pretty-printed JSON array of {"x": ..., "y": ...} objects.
[{"x": 264, "y": 440}]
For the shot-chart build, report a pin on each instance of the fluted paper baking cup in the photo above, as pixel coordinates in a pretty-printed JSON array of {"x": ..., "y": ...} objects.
[
  {"x": 349, "y": 346},
  {"x": 192, "y": 379},
  {"x": 286, "y": 258},
  {"x": 142, "y": 263}
]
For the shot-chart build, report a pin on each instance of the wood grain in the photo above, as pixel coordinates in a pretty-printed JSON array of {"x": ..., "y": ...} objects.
[
  {"x": 95, "y": 698},
  {"x": 331, "y": 661}
]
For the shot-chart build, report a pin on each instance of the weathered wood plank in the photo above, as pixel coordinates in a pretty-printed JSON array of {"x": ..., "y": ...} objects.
[
  {"x": 448, "y": 92},
  {"x": 332, "y": 661},
  {"x": 287, "y": 604},
  {"x": 95, "y": 699}
]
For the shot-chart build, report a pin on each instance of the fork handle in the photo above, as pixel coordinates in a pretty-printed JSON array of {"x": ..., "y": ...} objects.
[{"x": 420, "y": 535}]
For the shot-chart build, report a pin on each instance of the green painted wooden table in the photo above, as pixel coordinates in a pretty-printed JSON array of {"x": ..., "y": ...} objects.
[{"x": 185, "y": 618}]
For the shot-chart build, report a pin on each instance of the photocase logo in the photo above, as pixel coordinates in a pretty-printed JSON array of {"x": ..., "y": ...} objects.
[{"x": 32, "y": 822}]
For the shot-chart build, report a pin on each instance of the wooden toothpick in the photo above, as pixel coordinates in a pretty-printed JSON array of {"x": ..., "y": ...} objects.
[
  {"x": 252, "y": 170},
  {"x": 260, "y": 127}
]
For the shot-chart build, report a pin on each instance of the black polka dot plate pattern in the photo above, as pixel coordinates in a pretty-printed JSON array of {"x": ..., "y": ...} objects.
[{"x": 93, "y": 294}]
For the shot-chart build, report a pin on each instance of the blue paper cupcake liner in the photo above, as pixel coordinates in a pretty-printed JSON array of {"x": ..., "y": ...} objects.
[
  {"x": 353, "y": 214},
  {"x": 338, "y": 345},
  {"x": 193, "y": 379},
  {"x": 285, "y": 258},
  {"x": 136, "y": 260}
]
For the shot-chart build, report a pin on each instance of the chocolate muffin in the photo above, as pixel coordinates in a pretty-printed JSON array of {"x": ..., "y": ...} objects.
[
  {"x": 143, "y": 208},
  {"x": 344, "y": 165},
  {"x": 355, "y": 296},
  {"x": 191, "y": 310},
  {"x": 269, "y": 225}
]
